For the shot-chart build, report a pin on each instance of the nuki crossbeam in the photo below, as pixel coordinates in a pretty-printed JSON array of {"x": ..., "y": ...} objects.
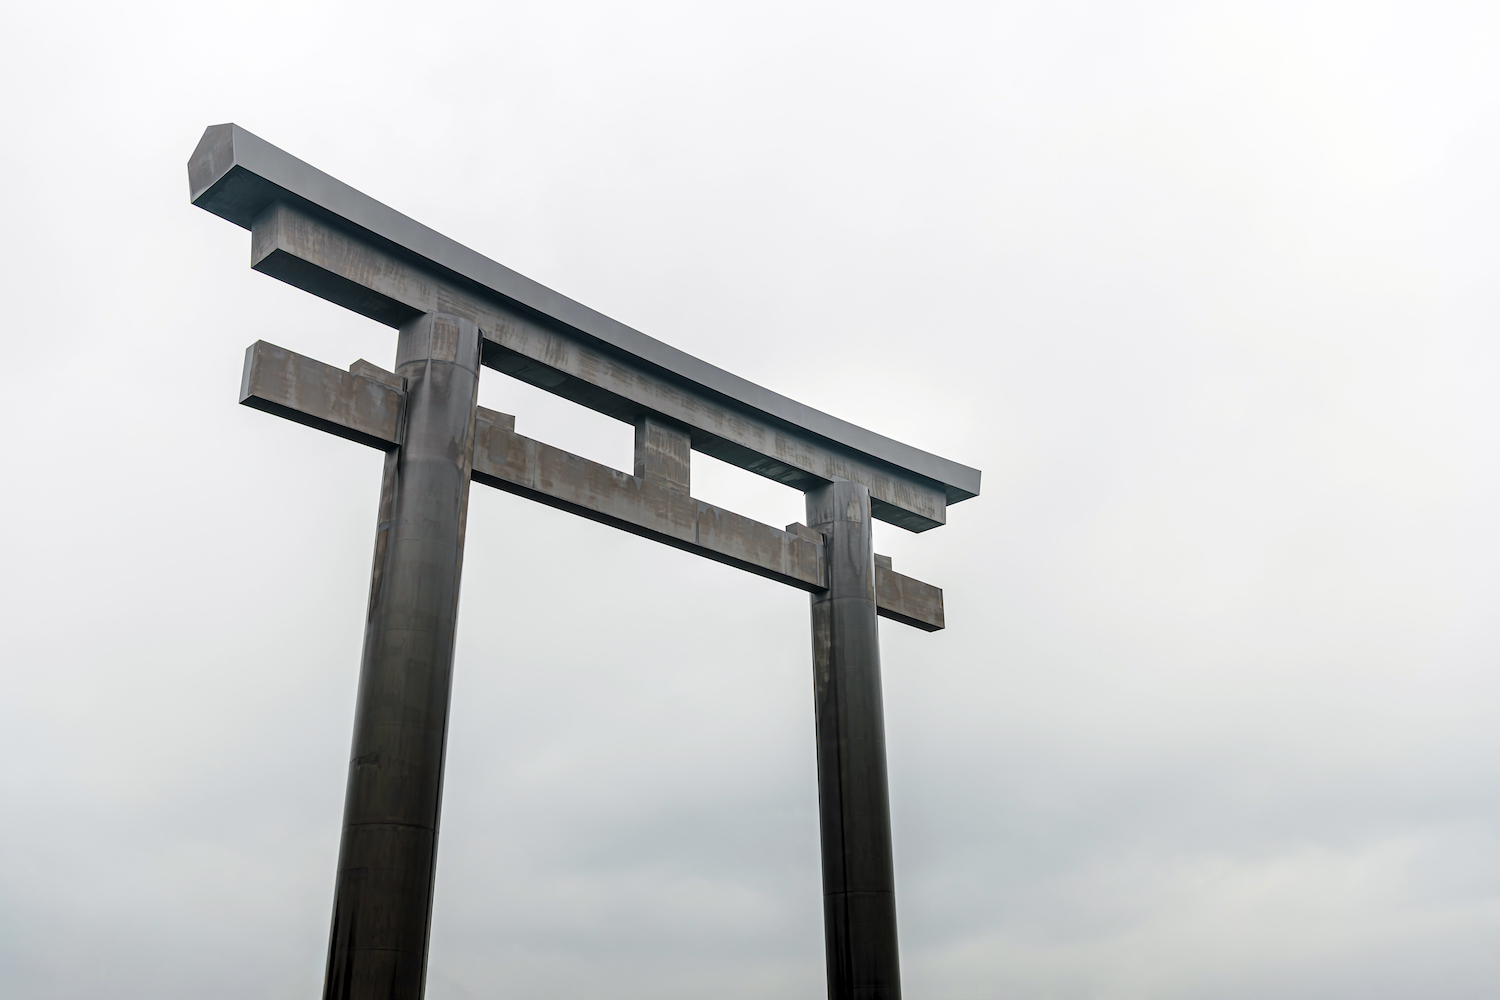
[{"x": 456, "y": 312}]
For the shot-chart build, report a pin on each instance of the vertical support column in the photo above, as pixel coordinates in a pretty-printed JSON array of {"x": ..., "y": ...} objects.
[
  {"x": 663, "y": 454},
  {"x": 854, "y": 813},
  {"x": 383, "y": 898}
]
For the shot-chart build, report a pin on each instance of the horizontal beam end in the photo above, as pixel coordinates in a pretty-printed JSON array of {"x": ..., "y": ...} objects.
[
  {"x": 297, "y": 416},
  {"x": 924, "y": 624}
]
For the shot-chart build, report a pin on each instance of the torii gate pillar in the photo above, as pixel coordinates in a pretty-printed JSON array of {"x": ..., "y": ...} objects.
[
  {"x": 854, "y": 812},
  {"x": 382, "y": 909}
]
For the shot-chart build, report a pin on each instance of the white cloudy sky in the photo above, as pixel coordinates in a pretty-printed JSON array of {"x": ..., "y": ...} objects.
[{"x": 1208, "y": 290}]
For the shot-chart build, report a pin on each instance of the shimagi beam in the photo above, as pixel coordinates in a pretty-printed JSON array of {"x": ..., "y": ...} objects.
[
  {"x": 366, "y": 403},
  {"x": 319, "y": 234}
]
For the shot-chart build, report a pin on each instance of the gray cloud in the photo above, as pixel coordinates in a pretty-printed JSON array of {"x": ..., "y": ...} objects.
[{"x": 1207, "y": 291}]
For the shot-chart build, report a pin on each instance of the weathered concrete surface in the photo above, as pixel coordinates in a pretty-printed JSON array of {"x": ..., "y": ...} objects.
[
  {"x": 593, "y": 378},
  {"x": 859, "y": 879},
  {"x": 381, "y": 264},
  {"x": 348, "y": 404},
  {"x": 538, "y": 471},
  {"x": 663, "y": 454},
  {"x": 906, "y": 600},
  {"x": 383, "y": 896}
]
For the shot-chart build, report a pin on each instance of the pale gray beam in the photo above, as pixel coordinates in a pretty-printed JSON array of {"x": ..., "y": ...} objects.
[
  {"x": 541, "y": 357},
  {"x": 239, "y": 177},
  {"x": 538, "y": 471},
  {"x": 663, "y": 455},
  {"x": 319, "y": 395},
  {"x": 549, "y": 475},
  {"x": 907, "y": 600}
]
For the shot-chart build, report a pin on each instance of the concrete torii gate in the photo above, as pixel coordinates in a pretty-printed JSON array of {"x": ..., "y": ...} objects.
[{"x": 456, "y": 311}]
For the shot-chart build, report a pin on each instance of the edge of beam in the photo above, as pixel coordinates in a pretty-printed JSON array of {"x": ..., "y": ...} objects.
[
  {"x": 907, "y": 600},
  {"x": 236, "y": 175},
  {"x": 365, "y": 405}
]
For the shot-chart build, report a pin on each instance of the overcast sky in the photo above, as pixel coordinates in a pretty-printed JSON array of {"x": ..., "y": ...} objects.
[{"x": 1208, "y": 291}]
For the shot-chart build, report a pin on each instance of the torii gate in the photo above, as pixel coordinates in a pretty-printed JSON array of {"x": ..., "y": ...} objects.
[{"x": 455, "y": 311}]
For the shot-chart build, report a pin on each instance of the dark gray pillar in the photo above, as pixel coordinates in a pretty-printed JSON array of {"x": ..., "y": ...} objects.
[
  {"x": 383, "y": 899},
  {"x": 859, "y": 880}
]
